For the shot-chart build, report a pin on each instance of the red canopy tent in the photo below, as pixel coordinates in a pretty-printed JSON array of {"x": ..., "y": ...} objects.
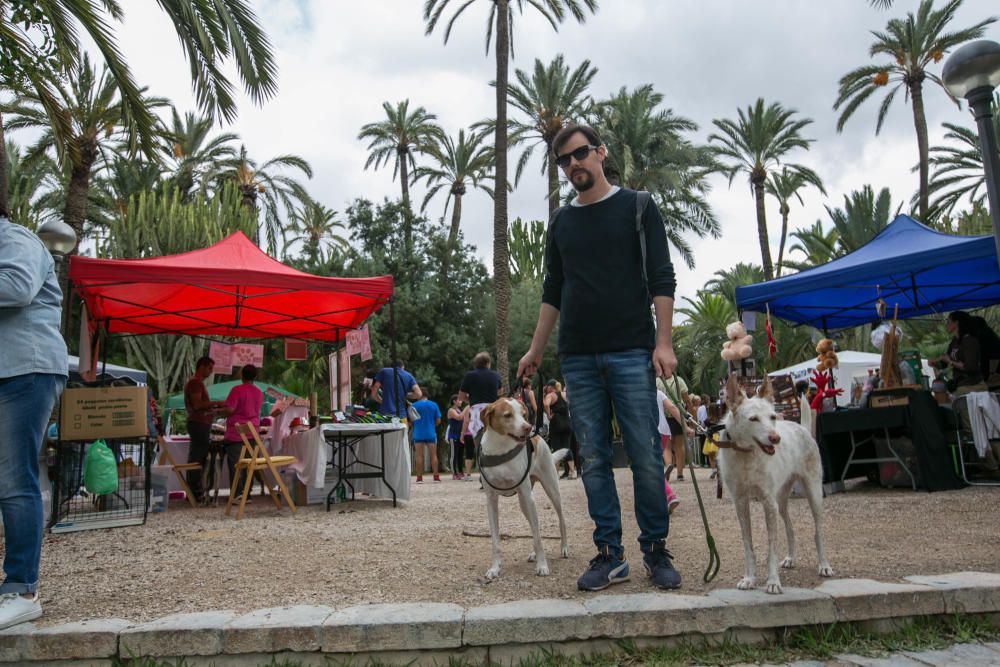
[{"x": 231, "y": 288}]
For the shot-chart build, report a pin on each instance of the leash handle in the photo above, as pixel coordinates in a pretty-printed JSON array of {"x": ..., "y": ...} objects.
[{"x": 714, "y": 562}]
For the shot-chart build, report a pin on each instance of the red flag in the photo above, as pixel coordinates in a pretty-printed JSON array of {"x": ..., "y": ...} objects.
[{"x": 772, "y": 345}]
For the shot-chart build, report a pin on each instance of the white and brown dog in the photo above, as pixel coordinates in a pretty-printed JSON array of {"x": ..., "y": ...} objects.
[
  {"x": 503, "y": 460},
  {"x": 761, "y": 459}
]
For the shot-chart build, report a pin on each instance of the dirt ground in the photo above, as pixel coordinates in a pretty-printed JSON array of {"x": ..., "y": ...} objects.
[{"x": 186, "y": 559}]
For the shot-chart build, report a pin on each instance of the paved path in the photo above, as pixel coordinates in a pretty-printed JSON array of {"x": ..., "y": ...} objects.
[{"x": 959, "y": 655}]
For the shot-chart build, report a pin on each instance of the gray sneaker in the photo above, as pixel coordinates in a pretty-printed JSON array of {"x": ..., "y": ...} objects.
[{"x": 604, "y": 570}]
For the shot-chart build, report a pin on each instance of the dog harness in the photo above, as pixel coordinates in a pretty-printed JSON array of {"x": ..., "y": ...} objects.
[{"x": 492, "y": 460}]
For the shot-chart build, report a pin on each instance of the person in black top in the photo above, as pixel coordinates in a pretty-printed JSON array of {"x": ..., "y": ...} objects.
[
  {"x": 602, "y": 271},
  {"x": 480, "y": 387},
  {"x": 560, "y": 431}
]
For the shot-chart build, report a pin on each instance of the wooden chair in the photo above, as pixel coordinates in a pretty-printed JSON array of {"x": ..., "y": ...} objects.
[
  {"x": 166, "y": 458},
  {"x": 254, "y": 457}
]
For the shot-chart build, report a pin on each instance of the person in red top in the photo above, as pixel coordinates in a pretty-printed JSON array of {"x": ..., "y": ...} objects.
[
  {"x": 242, "y": 406},
  {"x": 200, "y": 412}
]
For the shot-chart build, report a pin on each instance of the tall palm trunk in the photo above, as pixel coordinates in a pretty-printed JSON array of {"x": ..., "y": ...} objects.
[
  {"x": 78, "y": 190},
  {"x": 920, "y": 123},
  {"x": 553, "y": 170},
  {"x": 501, "y": 254},
  {"x": 452, "y": 247},
  {"x": 765, "y": 251},
  {"x": 784, "y": 237},
  {"x": 404, "y": 179},
  {"x": 4, "y": 192}
]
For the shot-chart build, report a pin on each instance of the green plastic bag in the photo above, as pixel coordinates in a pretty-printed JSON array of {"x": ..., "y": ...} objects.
[{"x": 100, "y": 472}]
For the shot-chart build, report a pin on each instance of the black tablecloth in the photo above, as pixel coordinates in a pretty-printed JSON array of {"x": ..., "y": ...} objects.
[{"x": 921, "y": 420}]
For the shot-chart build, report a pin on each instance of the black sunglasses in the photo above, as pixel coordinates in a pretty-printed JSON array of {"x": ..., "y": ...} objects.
[{"x": 579, "y": 154}]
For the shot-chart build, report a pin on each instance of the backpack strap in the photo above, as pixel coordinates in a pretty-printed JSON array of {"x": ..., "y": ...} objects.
[{"x": 642, "y": 199}]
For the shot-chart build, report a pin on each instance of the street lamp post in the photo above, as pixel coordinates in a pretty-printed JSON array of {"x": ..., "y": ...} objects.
[
  {"x": 60, "y": 239},
  {"x": 972, "y": 72}
]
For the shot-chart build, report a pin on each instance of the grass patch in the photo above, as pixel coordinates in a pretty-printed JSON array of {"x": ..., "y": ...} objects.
[{"x": 806, "y": 643}]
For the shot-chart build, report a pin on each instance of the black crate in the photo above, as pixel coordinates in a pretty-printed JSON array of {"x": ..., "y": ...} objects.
[{"x": 73, "y": 508}]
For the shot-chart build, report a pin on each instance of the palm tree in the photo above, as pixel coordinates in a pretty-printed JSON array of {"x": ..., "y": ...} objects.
[
  {"x": 756, "y": 143},
  {"x": 398, "y": 138},
  {"x": 267, "y": 184},
  {"x": 315, "y": 226},
  {"x": 864, "y": 215},
  {"x": 549, "y": 99},
  {"x": 911, "y": 44},
  {"x": 194, "y": 154},
  {"x": 211, "y": 33},
  {"x": 462, "y": 162},
  {"x": 783, "y": 187},
  {"x": 91, "y": 104},
  {"x": 817, "y": 244},
  {"x": 958, "y": 170},
  {"x": 726, "y": 281},
  {"x": 28, "y": 182},
  {"x": 502, "y": 20},
  {"x": 647, "y": 151},
  {"x": 703, "y": 333}
]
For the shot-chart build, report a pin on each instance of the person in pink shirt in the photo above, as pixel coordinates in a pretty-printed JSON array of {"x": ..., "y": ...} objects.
[{"x": 243, "y": 406}]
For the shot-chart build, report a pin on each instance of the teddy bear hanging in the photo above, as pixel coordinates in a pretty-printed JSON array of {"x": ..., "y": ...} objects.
[{"x": 740, "y": 344}]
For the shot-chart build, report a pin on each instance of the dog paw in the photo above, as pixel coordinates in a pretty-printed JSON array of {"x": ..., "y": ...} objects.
[
  {"x": 493, "y": 573},
  {"x": 746, "y": 583},
  {"x": 531, "y": 557},
  {"x": 565, "y": 551},
  {"x": 825, "y": 570},
  {"x": 788, "y": 563},
  {"x": 542, "y": 569},
  {"x": 774, "y": 588}
]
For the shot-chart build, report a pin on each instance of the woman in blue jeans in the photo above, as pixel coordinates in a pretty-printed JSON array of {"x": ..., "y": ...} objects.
[{"x": 33, "y": 371}]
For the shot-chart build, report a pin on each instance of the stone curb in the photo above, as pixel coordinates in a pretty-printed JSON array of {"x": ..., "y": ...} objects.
[{"x": 443, "y": 629}]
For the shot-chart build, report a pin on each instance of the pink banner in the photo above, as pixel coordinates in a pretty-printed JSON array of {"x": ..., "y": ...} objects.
[
  {"x": 247, "y": 353},
  {"x": 359, "y": 342},
  {"x": 221, "y": 355}
]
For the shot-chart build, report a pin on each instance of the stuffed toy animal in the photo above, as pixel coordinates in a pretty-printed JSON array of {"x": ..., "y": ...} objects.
[
  {"x": 821, "y": 379},
  {"x": 827, "y": 358},
  {"x": 739, "y": 345}
]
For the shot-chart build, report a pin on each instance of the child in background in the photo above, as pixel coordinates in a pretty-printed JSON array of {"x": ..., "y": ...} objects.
[
  {"x": 666, "y": 405},
  {"x": 710, "y": 448},
  {"x": 425, "y": 435},
  {"x": 454, "y": 437}
]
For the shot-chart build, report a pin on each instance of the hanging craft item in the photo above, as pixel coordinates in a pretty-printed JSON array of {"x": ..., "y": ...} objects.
[
  {"x": 772, "y": 345},
  {"x": 889, "y": 369}
]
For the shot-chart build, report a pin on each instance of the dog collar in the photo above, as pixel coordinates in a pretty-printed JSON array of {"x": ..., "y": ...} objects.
[
  {"x": 493, "y": 460},
  {"x": 723, "y": 443}
]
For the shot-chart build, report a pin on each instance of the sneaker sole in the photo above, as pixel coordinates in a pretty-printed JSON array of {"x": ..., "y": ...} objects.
[
  {"x": 616, "y": 580},
  {"x": 23, "y": 618},
  {"x": 666, "y": 588}
]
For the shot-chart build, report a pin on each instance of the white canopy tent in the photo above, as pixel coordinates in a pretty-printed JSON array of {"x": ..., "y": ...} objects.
[{"x": 851, "y": 364}]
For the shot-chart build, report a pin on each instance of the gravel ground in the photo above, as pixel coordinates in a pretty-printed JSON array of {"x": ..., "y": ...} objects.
[{"x": 186, "y": 559}]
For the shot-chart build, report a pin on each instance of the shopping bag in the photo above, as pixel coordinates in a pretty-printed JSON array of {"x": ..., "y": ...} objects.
[{"x": 100, "y": 473}]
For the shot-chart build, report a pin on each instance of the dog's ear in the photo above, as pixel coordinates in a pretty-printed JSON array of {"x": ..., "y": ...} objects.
[
  {"x": 734, "y": 394},
  {"x": 766, "y": 391},
  {"x": 485, "y": 415}
]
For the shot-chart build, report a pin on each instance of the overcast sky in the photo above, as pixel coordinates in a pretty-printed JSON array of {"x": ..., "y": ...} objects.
[{"x": 339, "y": 60}]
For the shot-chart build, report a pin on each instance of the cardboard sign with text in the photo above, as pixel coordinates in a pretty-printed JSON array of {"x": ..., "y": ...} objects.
[
  {"x": 358, "y": 341},
  {"x": 296, "y": 350},
  {"x": 220, "y": 354},
  {"x": 242, "y": 354},
  {"x": 88, "y": 413}
]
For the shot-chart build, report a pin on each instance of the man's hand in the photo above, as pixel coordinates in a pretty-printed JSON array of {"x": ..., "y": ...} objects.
[
  {"x": 664, "y": 360},
  {"x": 530, "y": 363}
]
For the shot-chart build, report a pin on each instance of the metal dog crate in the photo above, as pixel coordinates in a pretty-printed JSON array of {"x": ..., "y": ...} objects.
[{"x": 75, "y": 509}]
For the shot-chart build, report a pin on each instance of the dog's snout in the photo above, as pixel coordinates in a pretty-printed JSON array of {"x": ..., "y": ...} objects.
[{"x": 774, "y": 438}]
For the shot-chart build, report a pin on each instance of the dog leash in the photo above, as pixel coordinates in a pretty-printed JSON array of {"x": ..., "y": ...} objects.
[{"x": 714, "y": 562}]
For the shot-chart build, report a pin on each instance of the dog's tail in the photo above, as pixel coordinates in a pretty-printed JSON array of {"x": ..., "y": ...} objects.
[{"x": 560, "y": 456}]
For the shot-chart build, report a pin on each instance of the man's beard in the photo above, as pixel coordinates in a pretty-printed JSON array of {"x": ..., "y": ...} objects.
[{"x": 585, "y": 184}]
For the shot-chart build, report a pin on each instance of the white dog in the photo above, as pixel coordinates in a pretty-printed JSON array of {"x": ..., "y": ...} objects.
[
  {"x": 506, "y": 432},
  {"x": 761, "y": 460}
]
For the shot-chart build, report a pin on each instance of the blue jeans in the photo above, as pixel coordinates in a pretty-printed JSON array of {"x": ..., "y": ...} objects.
[
  {"x": 624, "y": 380},
  {"x": 26, "y": 403}
]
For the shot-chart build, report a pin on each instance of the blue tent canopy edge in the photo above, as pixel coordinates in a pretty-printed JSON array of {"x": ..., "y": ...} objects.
[{"x": 907, "y": 264}]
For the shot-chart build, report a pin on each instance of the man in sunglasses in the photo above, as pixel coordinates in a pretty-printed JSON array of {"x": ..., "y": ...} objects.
[{"x": 609, "y": 350}]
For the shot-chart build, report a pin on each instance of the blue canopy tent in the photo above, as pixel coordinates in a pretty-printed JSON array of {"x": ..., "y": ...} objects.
[{"x": 907, "y": 264}]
